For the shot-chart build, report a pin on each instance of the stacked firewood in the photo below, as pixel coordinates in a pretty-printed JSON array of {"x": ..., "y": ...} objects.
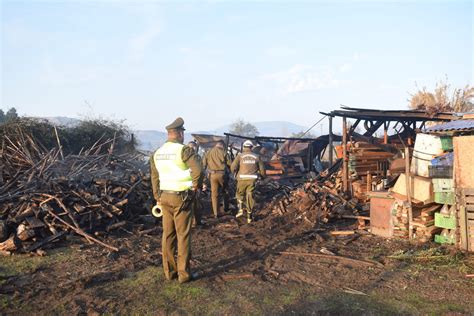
[
  {"x": 45, "y": 195},
  {"x": 423, "y": 220},
  {"x": 400, "y": 219},
  {"x": 315, "y": 201}
]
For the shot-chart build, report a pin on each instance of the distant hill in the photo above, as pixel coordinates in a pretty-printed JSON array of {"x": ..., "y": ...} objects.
[
  {"x": 271, "y": 128},
  {"x": 149, "y": 140}
]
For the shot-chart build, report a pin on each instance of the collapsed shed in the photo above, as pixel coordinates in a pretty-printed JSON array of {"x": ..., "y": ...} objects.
[
  {"x": 284, "y": 157},
  {"x": 289, "y": 157}
]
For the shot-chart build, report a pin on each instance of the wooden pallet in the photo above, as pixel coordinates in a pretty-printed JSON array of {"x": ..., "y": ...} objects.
[{"x": 466, "y": 218}]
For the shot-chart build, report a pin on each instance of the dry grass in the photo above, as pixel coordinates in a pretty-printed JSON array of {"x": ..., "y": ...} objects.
[{"x": 444, "y": 98}]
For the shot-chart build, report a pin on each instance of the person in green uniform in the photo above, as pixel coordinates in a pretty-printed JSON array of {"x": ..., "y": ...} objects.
[
  {"x": 248, "y": 167},
  {"x": 217, "y": 164},
  {"x": 176, "y": 173}
]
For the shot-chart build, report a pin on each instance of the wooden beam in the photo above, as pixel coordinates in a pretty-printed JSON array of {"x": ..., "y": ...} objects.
[
  {"x": 374, "y": 128},
  {"x": 353, "y": 127},
  {"x": 392, "y": 115},
  {"x": 408, "y": 191},
  {"x": 374, "y": 141},
  {"x": 331, "y": 146},
  {"x": 345, "y": 166}
]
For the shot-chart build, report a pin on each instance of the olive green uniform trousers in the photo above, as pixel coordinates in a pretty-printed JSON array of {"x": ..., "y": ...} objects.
[
  {"x": 176, "y": 232},
  {"x": 218, "y": 183},
  {"x": 245, "y": 189}
]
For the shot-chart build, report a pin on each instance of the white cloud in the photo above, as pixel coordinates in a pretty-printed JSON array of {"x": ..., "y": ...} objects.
[
  {"x": 301, "y": 78},
  {"x": 305, "y": 77}
]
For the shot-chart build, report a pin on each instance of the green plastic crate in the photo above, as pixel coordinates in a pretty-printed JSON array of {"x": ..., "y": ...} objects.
[
  {"x": 445, "y": 221},
  {"x": 444, "y": 240},
  {"x": 444, "y": 197},
  {"x": 443, "y": 185},
  {"x": 446, "y": 143}
]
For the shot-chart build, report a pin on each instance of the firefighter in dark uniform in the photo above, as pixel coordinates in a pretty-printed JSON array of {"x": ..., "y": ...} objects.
[
  {"x": 248, "y": 167},
  {"x": 176, "y": 175},
  {"x": 217, "y": 164}
]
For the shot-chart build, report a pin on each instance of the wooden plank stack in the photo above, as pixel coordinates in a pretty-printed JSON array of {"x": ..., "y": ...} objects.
[
  {"x": 423, "y": 220},
  {"x": 366, "y": 162},
  {"x": 424, "y": 228}
]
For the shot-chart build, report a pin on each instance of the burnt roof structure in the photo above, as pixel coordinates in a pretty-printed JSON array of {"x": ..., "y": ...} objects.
[
  {"x": 406, "y": 124},
  {"x": 390, "y": 115}
]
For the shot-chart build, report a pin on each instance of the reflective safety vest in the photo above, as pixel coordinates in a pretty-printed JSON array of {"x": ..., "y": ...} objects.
[
  {"x": 174, "y": 173},
  {"x": 248, "y": 168}
]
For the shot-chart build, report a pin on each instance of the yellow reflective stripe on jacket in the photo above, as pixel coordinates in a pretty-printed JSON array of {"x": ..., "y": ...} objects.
[{"x": 173, "y": 172}]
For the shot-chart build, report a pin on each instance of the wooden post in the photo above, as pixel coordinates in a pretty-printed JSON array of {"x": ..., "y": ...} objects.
[
  {"x": 331, "y": 147},
  {"x": 345, "y": 170},
  {"x": 227, "y": 138},
  {"x": 385, "y": 133},
  {"x": 369, "y": 181},
  {"x": 408, "y": 192},
  {"x": 310, "y": 157}
]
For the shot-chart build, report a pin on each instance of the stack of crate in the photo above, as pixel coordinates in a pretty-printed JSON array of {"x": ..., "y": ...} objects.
[
  {"x": 446, "y": 219},
  {"x": 441, "y": 172}
]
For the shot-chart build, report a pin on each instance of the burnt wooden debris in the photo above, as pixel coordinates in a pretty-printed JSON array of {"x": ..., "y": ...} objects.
[
  {"x": 314, "y": 201},
  {"x": 45, "y": 196}
]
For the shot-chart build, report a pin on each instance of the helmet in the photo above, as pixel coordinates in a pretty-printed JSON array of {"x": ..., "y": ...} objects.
[{"x": 248, "y": 143}]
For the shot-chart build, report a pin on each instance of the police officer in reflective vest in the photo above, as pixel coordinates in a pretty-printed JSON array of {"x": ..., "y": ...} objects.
[
  {"x": 176, "y": 174},
  {"x": 248, "y": 167}
]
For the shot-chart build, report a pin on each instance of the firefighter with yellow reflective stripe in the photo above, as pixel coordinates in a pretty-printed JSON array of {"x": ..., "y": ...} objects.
[
  {"x": 176, "y": 173},
  {"x": 248, "y": 166}
]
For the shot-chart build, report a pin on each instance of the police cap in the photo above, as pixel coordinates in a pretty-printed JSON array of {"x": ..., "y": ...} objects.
[{"x": 177, "y": 125}]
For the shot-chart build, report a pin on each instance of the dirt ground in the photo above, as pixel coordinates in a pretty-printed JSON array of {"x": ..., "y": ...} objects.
[{"x": 257, "y": 268}]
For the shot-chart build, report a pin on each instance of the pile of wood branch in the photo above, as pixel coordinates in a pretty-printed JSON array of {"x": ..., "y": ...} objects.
[
  {"x": 45, "y": 195},
  {"x": 316, "y": 200}
]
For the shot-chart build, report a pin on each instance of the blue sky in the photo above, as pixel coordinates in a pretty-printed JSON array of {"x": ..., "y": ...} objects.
[{"x": 212, "y": 62}]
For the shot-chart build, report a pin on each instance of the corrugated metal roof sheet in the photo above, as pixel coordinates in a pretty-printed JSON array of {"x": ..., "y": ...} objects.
[{"x": 453, "y": 126}]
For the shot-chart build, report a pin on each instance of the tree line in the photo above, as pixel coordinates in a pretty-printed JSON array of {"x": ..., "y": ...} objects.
[{"x": 8, "y": 116}]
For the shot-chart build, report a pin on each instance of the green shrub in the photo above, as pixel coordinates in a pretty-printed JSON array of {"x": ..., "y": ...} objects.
[{"x": 40, "y": 135}]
